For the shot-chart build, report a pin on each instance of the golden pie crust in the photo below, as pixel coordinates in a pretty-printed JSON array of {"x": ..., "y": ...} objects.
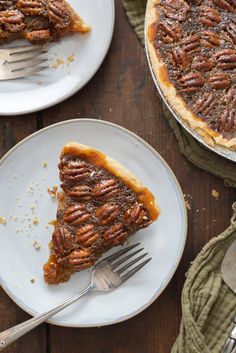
[{"x": 169, "y": 90}]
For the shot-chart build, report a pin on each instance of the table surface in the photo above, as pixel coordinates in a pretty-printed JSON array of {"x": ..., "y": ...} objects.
[{"x": 122, "y": 92}]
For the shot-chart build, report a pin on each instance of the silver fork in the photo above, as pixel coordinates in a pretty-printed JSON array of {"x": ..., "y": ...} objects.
[
  {"x": 107, "y": 275},
  {"x": 20, "y": 62}
]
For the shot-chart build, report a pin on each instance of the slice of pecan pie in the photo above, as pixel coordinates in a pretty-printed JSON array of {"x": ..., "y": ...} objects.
[
  {"x": 101, "y": 204},
  {"x": 192, "y": 48},
  {"x": 38, "y": 21}
]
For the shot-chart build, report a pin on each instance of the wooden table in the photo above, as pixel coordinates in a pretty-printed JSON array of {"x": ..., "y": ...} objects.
[{"x": 122, "y": 92}]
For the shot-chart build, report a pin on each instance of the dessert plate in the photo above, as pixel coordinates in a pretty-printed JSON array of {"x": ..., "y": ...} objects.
[
  {"x": 72, "y": 62},
  {"x": 28, "y": 170}
]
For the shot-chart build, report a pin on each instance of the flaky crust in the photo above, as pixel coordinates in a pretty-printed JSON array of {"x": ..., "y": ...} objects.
[
  {"x": 77, "y": 25},
  {"x": 210, "y": 136},
  {"x": 115, "y": 168}
]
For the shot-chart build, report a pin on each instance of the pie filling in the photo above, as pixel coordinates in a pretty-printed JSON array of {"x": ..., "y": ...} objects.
[
  {"x": 38, "y": 21},
  {"x": 96, "y": 211},
  {"x": 197, "y": 42}
]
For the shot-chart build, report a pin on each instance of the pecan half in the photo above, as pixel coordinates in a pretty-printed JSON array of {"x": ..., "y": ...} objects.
[
  {"x": 205, "y": 104},
  {"x": 180, "y": 57},
  {"x": 38, "y": 36},
  {"x": 202, "y": 63},
  {"x": 81, "y": 193},
  {"x": 107, "y": 213},
  {"x": 61, "y": 240},
  {"x": 74, "y": 171},
  {"x": 191, "y": 82},
  {"x": 136, "y": 216},
  {"x": 78, "y": 260},
  {"x": 219, "y": 80},
  {"x": 230, "y": 29},
  {"x": 231, "y": 98},
  {"x": 86, "y": 235},
  {"x": 12, "y": 20},
  {"x": 228, "y": 120},
  {"x": 176, "y": 9},
  {"x": 116, "y": 234},
  {"x": 169, "y": 32},
  {"x": 191, "y": 43},
  {"x": 226, "y": 59},
  {"x": 210, "y": 39},
  {"x": 209, "y": 16},
  {"x": 30, "y": 7},
  {"x": 5, "y": 4},
  {"x": 106, "y": 189},
  {"x": 58, "y": 14},
  {"x": 76, "y": 215},
  {"x": 229, "y": 5}
]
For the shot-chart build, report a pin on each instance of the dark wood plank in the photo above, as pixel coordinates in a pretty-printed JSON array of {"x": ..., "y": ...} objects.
[{"x": 13, "y": 130}]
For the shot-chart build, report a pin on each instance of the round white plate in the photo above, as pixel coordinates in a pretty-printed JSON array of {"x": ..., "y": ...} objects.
[
  {"x": 24, "y": 181},
  {"x": 56, "y": 84}
]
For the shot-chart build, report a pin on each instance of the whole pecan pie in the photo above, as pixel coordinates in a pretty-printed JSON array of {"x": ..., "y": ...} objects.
[
  {"x": 101, "y": 205},
  {"x": 38, "y": 21},
  {"x": 192, "y": 48}
]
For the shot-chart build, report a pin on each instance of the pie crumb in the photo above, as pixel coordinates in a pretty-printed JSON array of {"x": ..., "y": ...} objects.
[
  {"x": 36, "y": 245},
  {"x": 58, "y": 62},
  {"x": 45, "y": 164},
  {"x": 70, "y": 58},
  {"x": 3, "y": 220},
  {"x": 32, "y": 280},
  {"x": 35, "y": 220},
  {"x": 215, "y": 193},
  {"x": 53, "y": 191}
]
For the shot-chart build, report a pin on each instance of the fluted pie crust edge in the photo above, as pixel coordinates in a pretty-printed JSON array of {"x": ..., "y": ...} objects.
[
  {"x": 160, "y": 70},
  {"x": 101, "y": 160}
]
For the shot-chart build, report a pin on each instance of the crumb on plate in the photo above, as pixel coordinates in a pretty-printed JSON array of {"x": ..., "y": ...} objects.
[
  {"x": 53, "y": 191},
  {"x": 45, "y": 164},
  {"x": 36, "y": 245},
  {"x": 3, "y": 220},
  {"x": 32, "y": 280},
  {"x": 35, "y": 220}
]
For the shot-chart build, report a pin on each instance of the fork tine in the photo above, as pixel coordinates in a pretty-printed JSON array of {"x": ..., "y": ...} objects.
[
  {"x": 123, "y": 259},
  {"x": 131, "y": 263},
  {"x": 134, "y": 270},
  {"x": 23, "y": 49},
  {"x": 25, "y": 55},
  {"x": 115, "y": 256},
  {"x": 26, "y": 64},
  {"x": 24, "y": 73}
]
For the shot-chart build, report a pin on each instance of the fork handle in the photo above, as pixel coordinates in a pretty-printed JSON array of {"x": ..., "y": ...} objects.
[
  {"x": 230, "y": 343},
  {"x": 12, "y": 334}
]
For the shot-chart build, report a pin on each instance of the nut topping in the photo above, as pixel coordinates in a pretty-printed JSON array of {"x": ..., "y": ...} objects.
[
  {"x": 38, "y": 36},
  {"x": 176, "y": 9},
  {"x": 180, "y": 57},
  {"x": 169, "y": 32},
  {"x": 106, "y": 189},
  {"x": 136, "y": 215},
  {"x": 191, "y": 82},
  {"x": 80, "y": 193},
  {"x": 219, "y": 80},
  {"x": 74, "y": 171},
  {"x": 230, "y": 29},
  {"x": 231, "y": 98},
  {"x": 202, "y": 63},
  {"x": 76, "y": 215},
  {"x": 78, "y": 260},
  {"x": 58, "y": 14},
  {"x": 12, "y": 20},
  {"x": 62, "y": 240},
  {"x": 229, "y": 5},
  {"x": 210, "y": 39},
  {"x": 191, "y": 43},
  {"x": 209, "y": 16},
  {"x": 226, "y": 59},
  {"x": 86, "y": 235},
  {"x": 116, "y": 234},
  {"x": 107, "y": 213},
  {"x": 30, "y": 7},
  {"x": 205, "y": 104}
]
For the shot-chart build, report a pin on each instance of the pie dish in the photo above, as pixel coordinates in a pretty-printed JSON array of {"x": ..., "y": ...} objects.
[
  {"x": 100, "y": 206},
  {"x": 192, "y": 49},
  {"x": 38, "y": 21}
]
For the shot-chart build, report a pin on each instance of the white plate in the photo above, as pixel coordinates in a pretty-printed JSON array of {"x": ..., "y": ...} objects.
[
  {"x": 24, "y": 183},
  {"x": 56, "y": 84}
]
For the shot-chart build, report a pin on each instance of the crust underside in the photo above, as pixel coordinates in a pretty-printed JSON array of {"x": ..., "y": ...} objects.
[
  {"x": 101, "y": 160},
  {"x": 210, "y": 136}
]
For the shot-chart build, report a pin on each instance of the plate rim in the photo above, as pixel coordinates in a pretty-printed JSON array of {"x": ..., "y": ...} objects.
[
  {"x": 181, "y": 248},
  {"x": 219, "y": 150},
  {"x": 76, "y": 88}
]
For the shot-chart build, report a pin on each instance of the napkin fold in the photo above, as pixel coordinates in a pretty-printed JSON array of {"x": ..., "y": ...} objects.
[{"x": 189, "y": 147}]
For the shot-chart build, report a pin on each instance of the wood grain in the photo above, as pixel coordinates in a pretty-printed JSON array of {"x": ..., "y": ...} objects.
[{"x": 122, "y": 92}]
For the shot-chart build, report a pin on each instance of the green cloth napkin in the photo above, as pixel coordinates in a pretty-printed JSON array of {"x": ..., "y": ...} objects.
[{"x": 189, "y": 147}]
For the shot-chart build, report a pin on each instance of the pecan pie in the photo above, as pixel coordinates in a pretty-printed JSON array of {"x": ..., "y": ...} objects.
[
  {"x": 38, "y": 21},
  {"x": 192, "y": 48},
  {"x": 101, "y": 204}
]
